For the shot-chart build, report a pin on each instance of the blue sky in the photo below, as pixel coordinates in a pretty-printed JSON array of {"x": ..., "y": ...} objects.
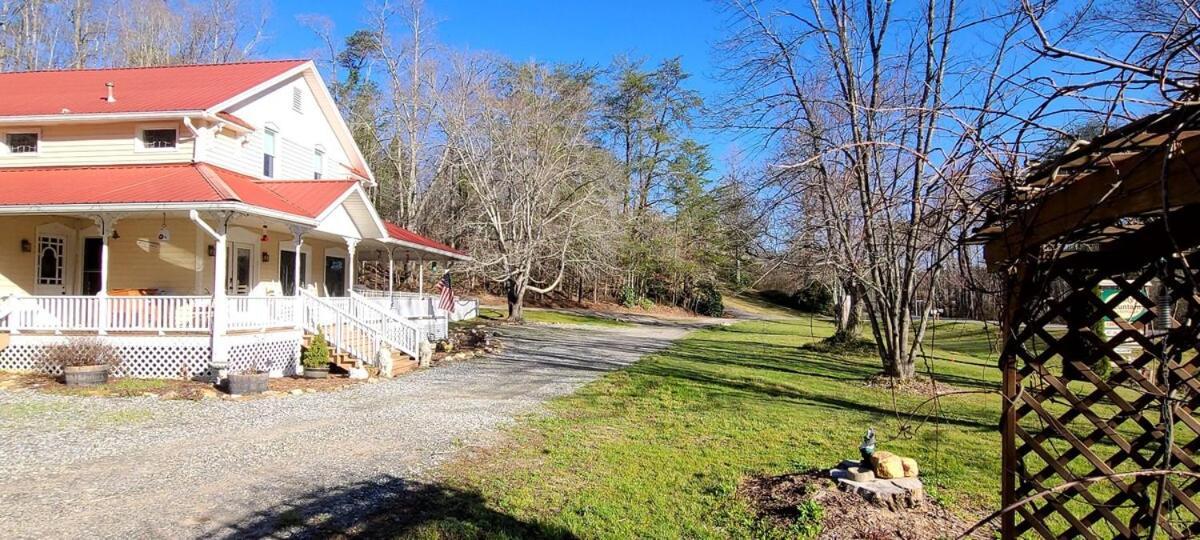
[{"x": 591, "y": 32}]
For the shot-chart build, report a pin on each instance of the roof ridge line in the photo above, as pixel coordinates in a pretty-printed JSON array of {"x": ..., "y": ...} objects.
[
  {"x": 130, "y": 68},
  {"x": 215, "y": 181}
]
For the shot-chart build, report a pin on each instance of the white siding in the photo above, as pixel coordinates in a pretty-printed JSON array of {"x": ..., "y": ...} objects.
[
  {"x": 300, "y": 133},
  {"x": 93, "y": 144}
]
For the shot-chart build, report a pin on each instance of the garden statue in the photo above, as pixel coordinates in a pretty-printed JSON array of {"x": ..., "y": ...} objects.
[{"x": 867, "y": 448}]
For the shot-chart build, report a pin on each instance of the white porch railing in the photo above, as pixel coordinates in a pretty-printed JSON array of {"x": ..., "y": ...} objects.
[
  {"x": 423, "y": 310},
  {"x": 260, "y": 312},
  {"x": 160, "y": 314}
]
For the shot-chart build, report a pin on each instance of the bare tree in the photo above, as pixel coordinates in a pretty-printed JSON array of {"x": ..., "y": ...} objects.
[
  {"x": 520, "y": 143},
  {"x": 884, "y": 129}
]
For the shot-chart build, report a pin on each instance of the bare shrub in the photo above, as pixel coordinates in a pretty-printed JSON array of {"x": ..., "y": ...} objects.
[{"x": 82, "y": 351}]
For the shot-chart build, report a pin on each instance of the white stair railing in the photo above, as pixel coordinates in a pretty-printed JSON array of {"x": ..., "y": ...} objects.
[
  {"x": 355, "y": 329},
  {"x": 399, "y": 332}
]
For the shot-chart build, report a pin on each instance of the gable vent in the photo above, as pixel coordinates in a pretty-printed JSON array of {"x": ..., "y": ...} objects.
[{"x": 297, "y": 100}]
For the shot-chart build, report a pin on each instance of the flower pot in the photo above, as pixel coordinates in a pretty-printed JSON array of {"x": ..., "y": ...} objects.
[
  {"x": 316, "y": 373},
  {"x": 247, "y": 383},
  {"x": 85, "y": 375}
]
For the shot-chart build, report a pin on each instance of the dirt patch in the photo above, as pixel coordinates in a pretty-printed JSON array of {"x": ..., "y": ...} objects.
[
  {"x": 918, "y": 384},
  {"x": 161, "y": 388},
  {"x": 786, "y": 502},
  {"x": 329, "y": 384}
]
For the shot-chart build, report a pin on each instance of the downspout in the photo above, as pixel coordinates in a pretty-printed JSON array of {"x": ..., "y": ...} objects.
[
  {"x": 218, "y": 359},
  {"x": 197, "y": 136}
]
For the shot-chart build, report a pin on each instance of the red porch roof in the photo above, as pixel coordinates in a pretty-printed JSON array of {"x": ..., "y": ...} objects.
[
  {"x": 136, "y": 184},
  {"x": 152, "y": 89},
  {"x": 404, "y": 235},
  {"x": 311, "y": 196}
]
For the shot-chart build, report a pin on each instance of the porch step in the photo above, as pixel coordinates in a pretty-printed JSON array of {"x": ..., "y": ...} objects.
[{"x": 342, "y": 362}]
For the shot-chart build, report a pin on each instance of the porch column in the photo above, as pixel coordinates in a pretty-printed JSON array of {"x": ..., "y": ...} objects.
[
  {"x": 391, "y": 272},
  {"x": 106, "y": 223},
  {"x": 421, "y": 275},
  {"x": 298, "y": 234},
  {"x": 219, "y": 359},
  {"x": 351, "y": 244}
]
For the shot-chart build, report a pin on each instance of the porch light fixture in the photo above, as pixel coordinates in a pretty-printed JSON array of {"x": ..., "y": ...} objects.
[
  {"x": 116, "y": 234},
  {"x": 266, "y": 257},
  {"x": 164, "y": 234},
  {"x": 265, "y": 237},
  {"x": 212, "y": 250},
  {"x": 26, "y": 247}
]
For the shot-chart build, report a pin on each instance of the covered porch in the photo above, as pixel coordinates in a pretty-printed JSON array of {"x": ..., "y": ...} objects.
[{"x": 205, "y": 287}]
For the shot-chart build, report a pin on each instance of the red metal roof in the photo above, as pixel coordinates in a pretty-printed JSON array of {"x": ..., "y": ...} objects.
[
  {"x": 152, "y": 89},
  {"x": 136, "y": 184},
  {"x": 400, "y": 233},
  {"x": 311, "y": 196},
  {"x": 173, "y": 183}
]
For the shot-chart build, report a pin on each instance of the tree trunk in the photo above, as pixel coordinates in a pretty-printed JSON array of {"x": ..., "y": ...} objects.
[
  {"x": 849, "y": 311},
  {"x": 514, "y": 296}
]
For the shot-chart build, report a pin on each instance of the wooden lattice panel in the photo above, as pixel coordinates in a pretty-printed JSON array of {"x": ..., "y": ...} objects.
[{"x": 1080, "y": 409}]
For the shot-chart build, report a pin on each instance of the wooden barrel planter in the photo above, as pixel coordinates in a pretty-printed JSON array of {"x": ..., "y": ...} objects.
[
  {"x": 85, "y": 375},
  {"x": 316, "y": 373},
  {"x": 247, "y": 383}
]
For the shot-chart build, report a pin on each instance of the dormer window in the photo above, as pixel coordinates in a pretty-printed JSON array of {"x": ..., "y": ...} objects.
[
  {"x": 157, "y": 139},
  {"x": 22, "y": 143}
]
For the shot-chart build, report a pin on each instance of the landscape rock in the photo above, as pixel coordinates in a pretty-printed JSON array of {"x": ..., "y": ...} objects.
[
  {"x": 887, "y": 465},
  {"x": 296, "y": 391},
  {"x": 910, "y": 467}
]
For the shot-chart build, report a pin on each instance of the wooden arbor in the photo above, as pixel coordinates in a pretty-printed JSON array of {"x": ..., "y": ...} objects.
[{"x": 1101, "y": 387}]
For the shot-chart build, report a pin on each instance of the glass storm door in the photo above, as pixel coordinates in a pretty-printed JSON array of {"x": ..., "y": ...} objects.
[
  {"x": 287, "y": 271},
  {"x": 51, "y": 265},
  {"x": 335, "y": 276},
  {"x": 240, "y": 259}
]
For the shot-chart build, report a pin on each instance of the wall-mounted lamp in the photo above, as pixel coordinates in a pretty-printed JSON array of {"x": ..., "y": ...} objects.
[
  {"x": 266, "y": 257},
  {"x": 26, "y": 247},
  {"x": 116, "y": 234},
  {"x": 212, "y": 250}
]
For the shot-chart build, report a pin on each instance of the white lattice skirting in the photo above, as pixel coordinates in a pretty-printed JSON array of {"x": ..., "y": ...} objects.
[{"x": 173, "y": 357}]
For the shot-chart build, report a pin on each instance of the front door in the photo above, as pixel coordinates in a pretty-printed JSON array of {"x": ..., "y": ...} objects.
[
  {"x": 90, "y": 273},
  {"x": 335, "y": 276},
  {"x": 50, "y": 271},
  {"x": 241, "y": 257}
]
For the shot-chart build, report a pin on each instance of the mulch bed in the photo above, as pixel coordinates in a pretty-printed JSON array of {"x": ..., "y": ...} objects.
[{"x": 847, "y": 515}]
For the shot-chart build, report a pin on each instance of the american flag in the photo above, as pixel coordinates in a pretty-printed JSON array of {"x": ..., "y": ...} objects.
[{"x": 446, "y": 302}]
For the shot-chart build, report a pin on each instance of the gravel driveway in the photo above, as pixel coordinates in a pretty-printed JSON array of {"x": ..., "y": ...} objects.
[{"x": 140, "y": 467}]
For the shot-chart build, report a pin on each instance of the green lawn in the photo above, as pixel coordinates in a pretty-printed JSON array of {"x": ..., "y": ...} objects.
[
  {"x": 546, "y": 316},
  {"x": 658, "y": 449}
]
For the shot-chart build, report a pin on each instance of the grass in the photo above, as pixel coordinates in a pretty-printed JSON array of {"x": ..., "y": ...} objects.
[
  {"x": 659, "y": 449},
  {"x": 547, "y": 316}
]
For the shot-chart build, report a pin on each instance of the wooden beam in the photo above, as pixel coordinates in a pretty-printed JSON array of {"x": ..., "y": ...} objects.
[{"x": 1130, "y": 189}]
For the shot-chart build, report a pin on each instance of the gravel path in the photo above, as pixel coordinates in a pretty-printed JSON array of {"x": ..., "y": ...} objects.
[{"x": 140, "y": 467}]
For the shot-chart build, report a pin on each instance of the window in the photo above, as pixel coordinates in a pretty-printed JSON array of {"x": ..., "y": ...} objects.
[
  {"x": 22, "y": 143},
  {"x": 297, "y": 101},
  {"x": 318, "y": 163},
  {"x": 50, "y": 260},
  {"x": 269, "y": 154},
  {"x": 158, "y": 138}
]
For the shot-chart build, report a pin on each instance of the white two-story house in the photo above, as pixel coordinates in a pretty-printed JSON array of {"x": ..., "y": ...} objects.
[{"x": 203, "y": 218}]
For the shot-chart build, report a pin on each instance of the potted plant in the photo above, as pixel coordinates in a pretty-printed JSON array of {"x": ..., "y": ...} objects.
[
  {"x": 316, "y": 358},
  {"x": 83, "y": 360},
  {"x": 251, "y": 381}
]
